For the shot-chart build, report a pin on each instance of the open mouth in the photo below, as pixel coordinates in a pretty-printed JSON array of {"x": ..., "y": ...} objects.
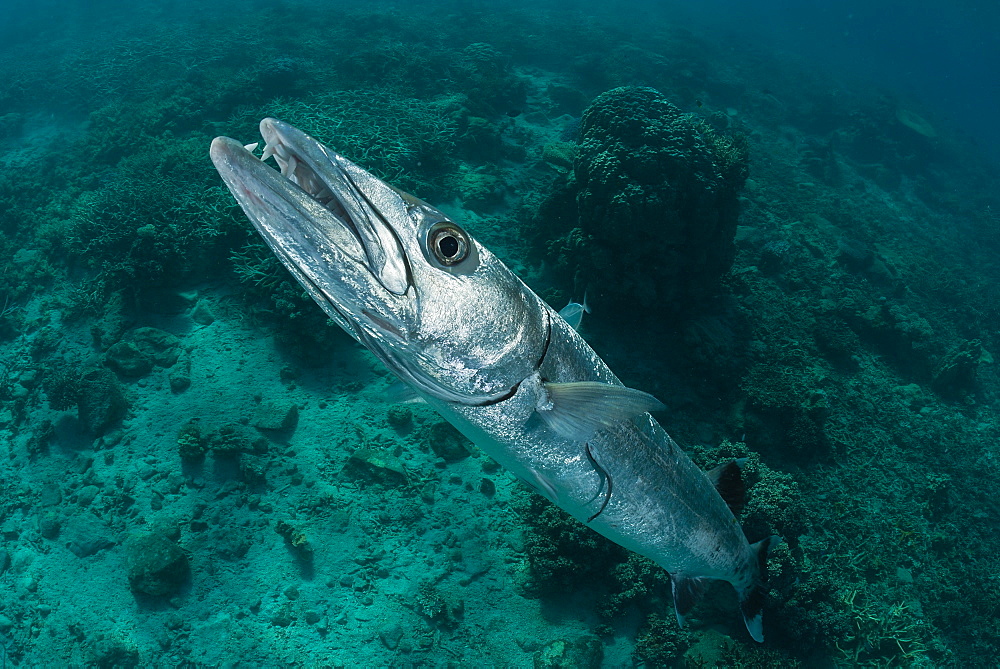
[
  {"x": 333, "y": 186},
  {"x": 295, "y": 168}
]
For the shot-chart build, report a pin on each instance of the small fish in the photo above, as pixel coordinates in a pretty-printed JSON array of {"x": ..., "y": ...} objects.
[
  {"x": 452, "y": 321},
  {"x": 573, "y": 312}
]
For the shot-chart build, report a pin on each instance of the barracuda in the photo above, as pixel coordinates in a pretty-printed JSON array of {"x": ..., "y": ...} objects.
[{"x": 446, "y": 316}]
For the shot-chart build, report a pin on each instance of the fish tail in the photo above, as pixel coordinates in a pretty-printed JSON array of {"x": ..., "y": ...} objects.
[{"x": 752, "y": 596}]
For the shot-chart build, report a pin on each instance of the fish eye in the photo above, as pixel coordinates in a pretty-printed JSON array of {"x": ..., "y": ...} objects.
[{"x": 448, "y": 245}]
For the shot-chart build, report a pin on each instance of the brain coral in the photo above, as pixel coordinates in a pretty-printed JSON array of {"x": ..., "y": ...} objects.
[{"x": 657, "y": 199}]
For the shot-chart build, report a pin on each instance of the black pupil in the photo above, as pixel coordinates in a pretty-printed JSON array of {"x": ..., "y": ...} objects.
[{"x": 448, "y": 246}]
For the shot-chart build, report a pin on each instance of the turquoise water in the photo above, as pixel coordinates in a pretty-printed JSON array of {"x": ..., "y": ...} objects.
[{"x": 787, "y": 228}]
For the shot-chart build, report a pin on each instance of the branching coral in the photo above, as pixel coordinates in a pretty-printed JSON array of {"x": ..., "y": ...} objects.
[
  {"x": 890, "y": 637},
  {"x": 152, "y": 222},
  {"x": 561, "y": 552},
  {"x": 381, "y": 130}
]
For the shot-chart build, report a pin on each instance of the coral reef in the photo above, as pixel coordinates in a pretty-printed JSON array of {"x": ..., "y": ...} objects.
[
  {"x": 562, "y": 554},
  {"x": 955, "y": 376},
  {"x": 101, "y": 400},
  {"x": 295, "y": 536},
  {"x": 191, "y": 443},
  {"x": 656, "y": 191},
  {"x": 149, "y": 224},
  {"x": 157, "y": 565},
  {"x": 662, "y": 643}
]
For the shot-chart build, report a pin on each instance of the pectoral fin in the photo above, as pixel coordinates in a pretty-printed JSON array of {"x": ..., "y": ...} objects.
[
  {"x": 402, "y": 393},
  {"x": 577, "y": 410}
]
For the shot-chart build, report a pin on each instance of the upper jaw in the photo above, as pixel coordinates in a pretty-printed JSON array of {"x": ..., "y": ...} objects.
[
  {"x": 352, "y": 194},
  {"x": 330, "y": 222}
]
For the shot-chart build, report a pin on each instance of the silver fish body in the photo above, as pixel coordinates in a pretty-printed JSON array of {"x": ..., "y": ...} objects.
[
  {"x": 450, "y": 319},
  {"x": 662, "y": 505}
]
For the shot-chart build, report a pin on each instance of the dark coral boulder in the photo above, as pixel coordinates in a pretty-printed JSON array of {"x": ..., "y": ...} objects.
[
  {"x": 157, "y": 565},
  {"x": 955, "y": 376},
  {"x": 657, "y": 205},
  {"x": 101, "y": 401}
]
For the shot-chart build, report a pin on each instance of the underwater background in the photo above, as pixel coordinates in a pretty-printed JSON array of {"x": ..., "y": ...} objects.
[{"x": 785, "y": 218}]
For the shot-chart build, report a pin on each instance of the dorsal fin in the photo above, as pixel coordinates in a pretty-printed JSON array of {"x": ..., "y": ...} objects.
[{"x": 728, "y": 481}]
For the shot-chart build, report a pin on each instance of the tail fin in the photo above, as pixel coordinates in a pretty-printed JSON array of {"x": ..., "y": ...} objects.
[{"x": 752, "y": 597}]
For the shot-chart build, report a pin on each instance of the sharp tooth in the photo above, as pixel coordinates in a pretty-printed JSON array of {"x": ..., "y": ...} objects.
[{"x": 251, "y": 147}]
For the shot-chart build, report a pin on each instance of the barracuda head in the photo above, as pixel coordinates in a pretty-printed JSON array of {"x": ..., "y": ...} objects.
[{"x": 439, "y": 309}]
